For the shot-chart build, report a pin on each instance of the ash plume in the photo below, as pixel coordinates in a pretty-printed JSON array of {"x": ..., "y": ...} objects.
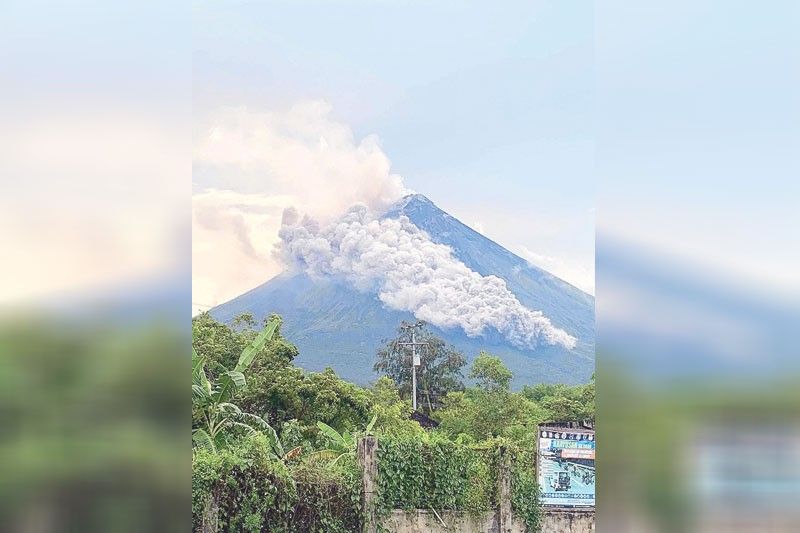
[{"x": 410, "y": 272}]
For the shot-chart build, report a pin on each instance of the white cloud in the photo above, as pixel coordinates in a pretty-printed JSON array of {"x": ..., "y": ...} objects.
[
  {"x": 301, "y": 152},
  {"x": 300, "y": 157},
  {"x": 232, "y": 236}
]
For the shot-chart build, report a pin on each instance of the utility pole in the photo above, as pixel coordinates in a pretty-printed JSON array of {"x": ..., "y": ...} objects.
[{"x": 415, "y": 361}]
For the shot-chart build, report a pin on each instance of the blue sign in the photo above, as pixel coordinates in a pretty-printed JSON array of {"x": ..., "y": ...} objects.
[{"x": 566, "y": 467}]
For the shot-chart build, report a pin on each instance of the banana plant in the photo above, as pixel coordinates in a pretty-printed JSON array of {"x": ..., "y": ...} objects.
[
  {"x": 341, "y": 444},
  {"x": 219, "y": 417}
]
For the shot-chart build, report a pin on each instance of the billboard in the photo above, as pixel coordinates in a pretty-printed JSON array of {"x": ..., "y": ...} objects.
[{"x": 566, "y": 467}]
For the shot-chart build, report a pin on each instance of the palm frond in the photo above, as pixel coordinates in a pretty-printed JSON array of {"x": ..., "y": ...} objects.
[
  {"x": 249, "y": 353},
  {"x": 269, "y": 431},
  {"x": 371, "y": 424},
  {"x": 348, "y": 440},
  {"x": 230, "y": 408},
  {"x": 254, "y": 420},
  {"x": 229, "y": 382},
  {"x": 331, "y": 433},
  {"x": 199, "y": 377},
  {"x": 201, "y": 439},
  {"x": 276, "y": 443},
  {"x": 247, "y": 428}
]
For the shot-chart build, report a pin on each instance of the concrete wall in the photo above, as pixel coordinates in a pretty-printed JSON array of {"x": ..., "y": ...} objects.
[
  {"x": 568, "y": 522},
  {"x": 421, "y": 521},
  {"x": 427, "y": 522}
]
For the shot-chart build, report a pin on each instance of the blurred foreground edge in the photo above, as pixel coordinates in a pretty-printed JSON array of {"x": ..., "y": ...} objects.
[{"x": 697, "y": 400}]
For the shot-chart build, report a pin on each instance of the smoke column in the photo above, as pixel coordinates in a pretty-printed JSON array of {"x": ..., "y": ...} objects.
[{"x": 412, "y": 273}]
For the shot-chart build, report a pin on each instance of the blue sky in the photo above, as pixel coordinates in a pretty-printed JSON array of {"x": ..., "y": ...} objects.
[
  {"x": 487, "y": 111},
  {"x": 698, "y": 115}
]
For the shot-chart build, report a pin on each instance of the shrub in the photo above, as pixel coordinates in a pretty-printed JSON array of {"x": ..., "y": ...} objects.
[{"x": 255, "y": 492}]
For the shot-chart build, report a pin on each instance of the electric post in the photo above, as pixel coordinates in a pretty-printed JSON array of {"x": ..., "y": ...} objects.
[{"x": 415, "y": 361}]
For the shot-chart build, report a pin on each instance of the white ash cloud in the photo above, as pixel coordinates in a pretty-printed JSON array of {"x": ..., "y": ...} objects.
[
  {"x": 250, "y": 164},
  {"x": 302, "y": 153},
  {"x": 412, "y": 273}
]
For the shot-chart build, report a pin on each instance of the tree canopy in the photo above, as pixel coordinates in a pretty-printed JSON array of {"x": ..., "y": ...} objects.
[
  {"x": 440, "y": 370},
  {"x": 490, "y": 372}
]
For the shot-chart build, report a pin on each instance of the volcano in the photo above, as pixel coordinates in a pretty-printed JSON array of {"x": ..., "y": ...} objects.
[{"x": 334, "y": 325}]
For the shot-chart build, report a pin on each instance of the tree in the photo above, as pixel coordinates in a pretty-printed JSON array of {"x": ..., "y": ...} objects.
[
  {"x": 482, "y": 414},
  {"x": 563, "y": 402},
  {"x": 491, "y": 409},
  {"x": 289, "y": 393},
  {"x": 490, "y": 372},
  {"x": 279, "y": 392},
  {"x": 214, "y": 415},
  {"x": 393, "y": 413},
  {"x": 439, "y": 371},
  {"x": 221, "y": 344}
]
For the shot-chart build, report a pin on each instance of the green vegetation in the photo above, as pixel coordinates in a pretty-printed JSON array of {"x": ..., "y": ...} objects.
[
  {"x": 218, "y": 419},
  {"x": 439, "y": 371},
  {"x": 250, "y": 404},
  {"x": 436, "y": 472},
  {"x": 490, "y": 372},
  {"x": 341, "y": 444}
]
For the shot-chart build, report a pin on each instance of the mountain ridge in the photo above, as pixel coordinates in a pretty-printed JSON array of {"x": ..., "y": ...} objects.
[{"x": 419, "y": 198}]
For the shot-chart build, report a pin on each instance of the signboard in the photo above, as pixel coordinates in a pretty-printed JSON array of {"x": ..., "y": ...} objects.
[{"x": 566, "y": 467}]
